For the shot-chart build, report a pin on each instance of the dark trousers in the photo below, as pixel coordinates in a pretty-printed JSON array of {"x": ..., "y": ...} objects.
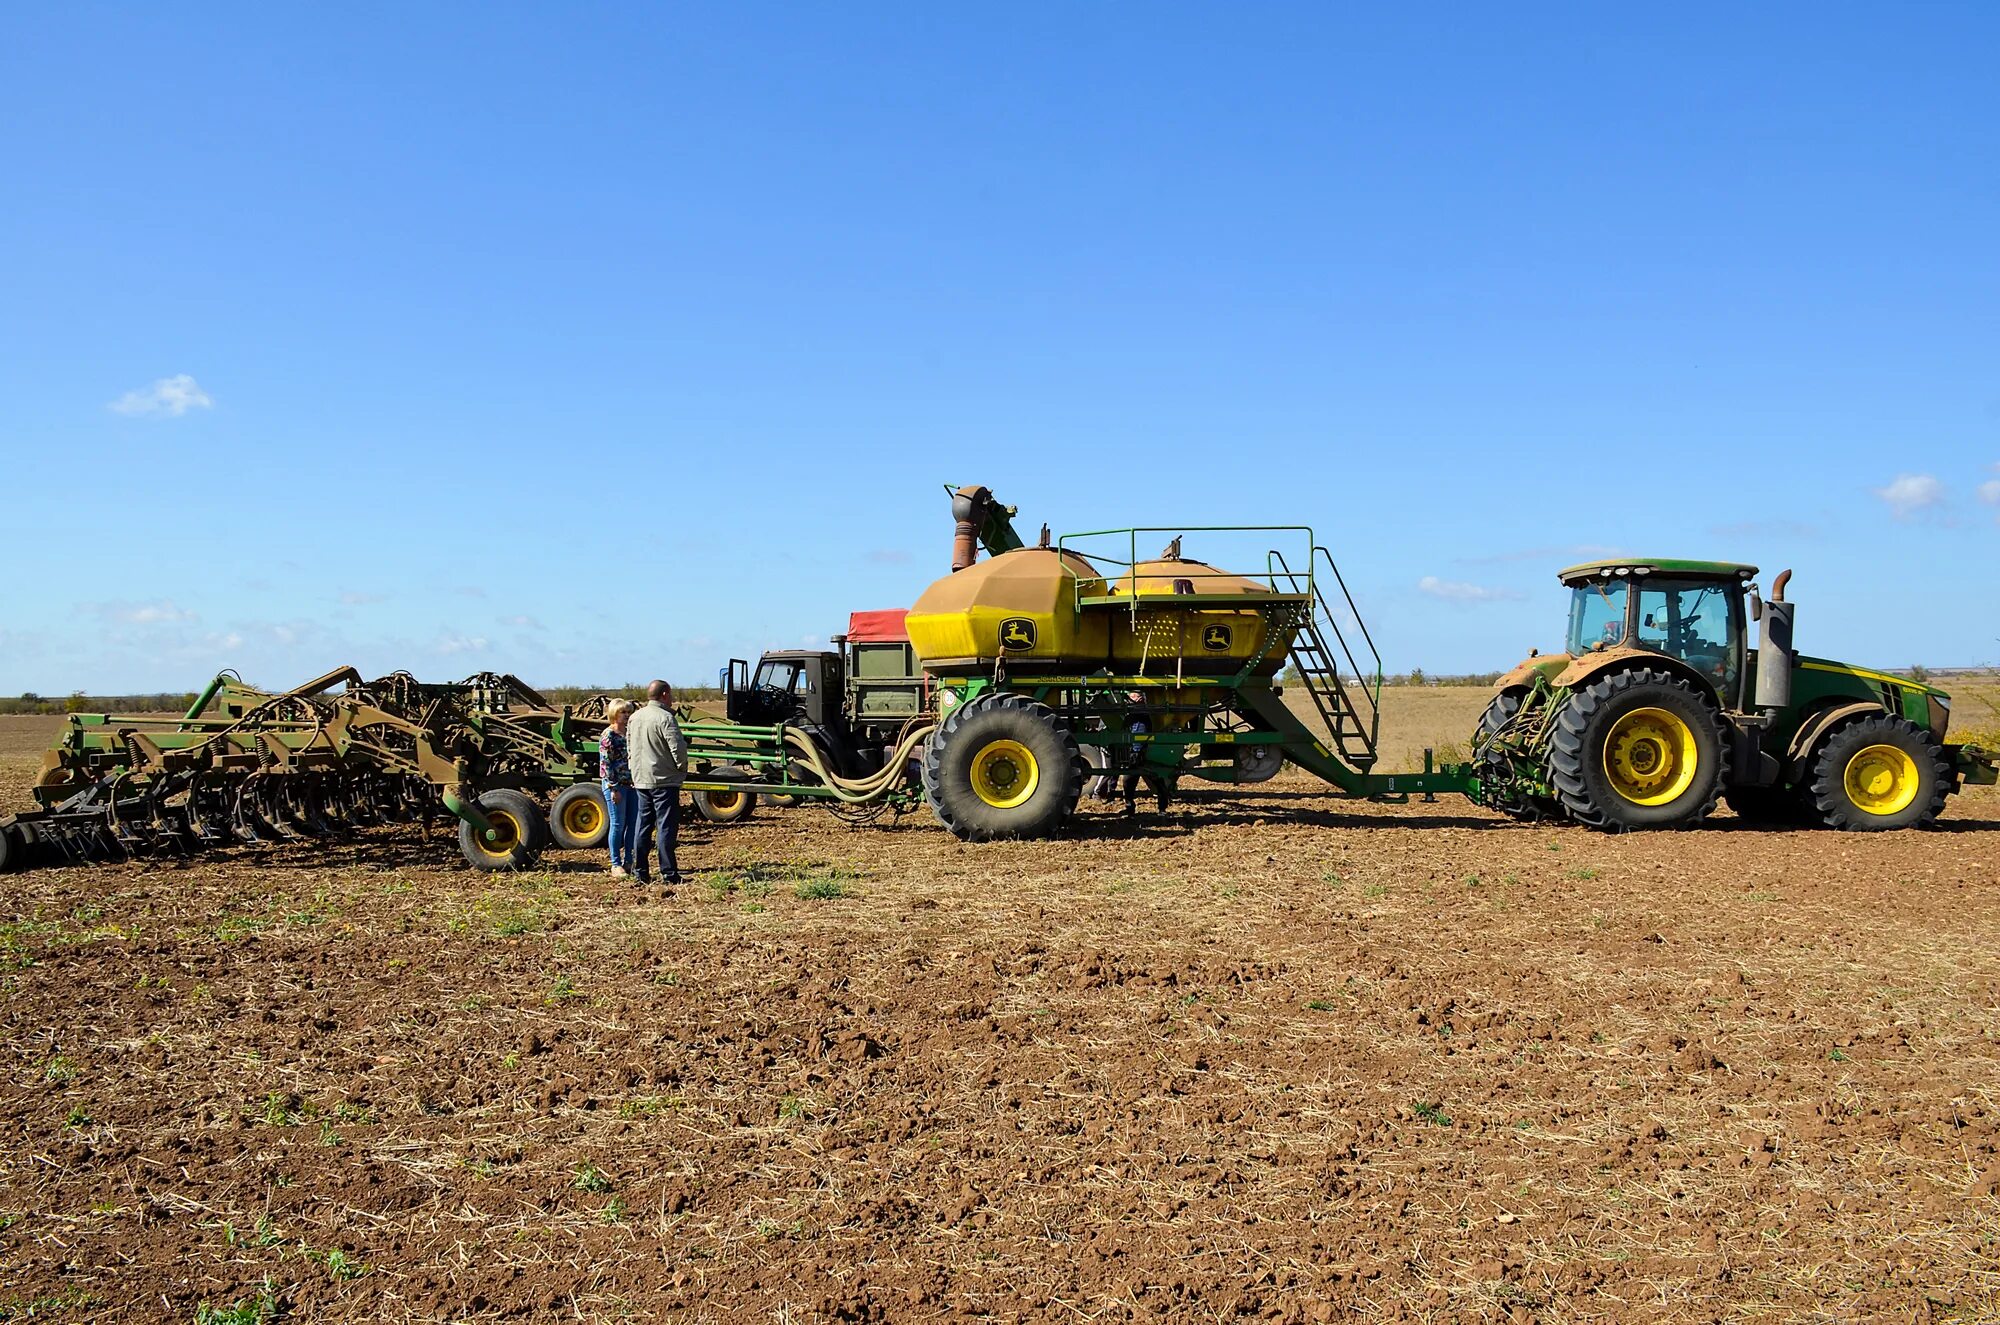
[{"x": 659, "y": 819}]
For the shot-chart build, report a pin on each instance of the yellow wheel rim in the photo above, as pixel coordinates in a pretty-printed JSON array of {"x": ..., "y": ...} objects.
[
  {"x": 504, "y": 837},
  {"x": 1005, "y": 774},
  {"x": 722, "y": 802},
  {"x": 1650, "y": 757},
  {"x": 1882, "y": 779},
  {"x": 582, "y": 817}
]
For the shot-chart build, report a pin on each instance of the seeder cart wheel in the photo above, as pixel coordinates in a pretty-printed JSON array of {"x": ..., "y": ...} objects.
[
  {"x": 578, "y": 820},
  {"x": 13, "y": 851},
  {"x": 1002, "y": 767},
  {"x": 725, "y": 807},
  {"x": 516, "y": 841}
]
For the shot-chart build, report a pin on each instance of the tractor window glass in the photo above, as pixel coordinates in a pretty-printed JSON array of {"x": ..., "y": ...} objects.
[
  {"x": 1596, "y": 615},
  {"x": 1690, "y": 622}
]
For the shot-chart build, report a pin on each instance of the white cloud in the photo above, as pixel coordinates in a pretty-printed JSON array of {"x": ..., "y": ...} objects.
[
  {"x": 1989, "y": 491},
  {"x": 1909, "y": 494},
  {"x": 1458, "y": 591},
  {"x": 163, "y": 612},
  {"x": 522, "y": 622},
  {"x": 450, "y": 644},
  {"x": 351, "y": 598},
  {"x": 171, "y": 396}
]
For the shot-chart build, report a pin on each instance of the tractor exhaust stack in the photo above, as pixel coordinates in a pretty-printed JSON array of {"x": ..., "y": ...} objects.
[{"x": 1775, "y": 654}]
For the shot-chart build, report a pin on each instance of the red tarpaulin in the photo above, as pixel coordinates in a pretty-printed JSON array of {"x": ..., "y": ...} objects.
[{"x": 884, "y": 627}]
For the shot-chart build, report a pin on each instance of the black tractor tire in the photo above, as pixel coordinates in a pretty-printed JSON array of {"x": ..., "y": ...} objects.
[
  {"x": 1769, "y": 807},
  {"x": 579, "y": 821},
  {"x": 1499, "y": 712},
  {"x": 1665, "y": 741},
  {"x": 1877, "y": 773},
  {"x": 13, "y": 849},
  {"x": 1002, "y": 766},
  {"x": 725, "y": 807},
  {"x": 522, "y": 829}
]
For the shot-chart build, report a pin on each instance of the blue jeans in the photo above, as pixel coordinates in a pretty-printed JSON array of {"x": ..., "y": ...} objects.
[
  {"x": 622, "y": 805},
  {"x": 658, "y": 820}
]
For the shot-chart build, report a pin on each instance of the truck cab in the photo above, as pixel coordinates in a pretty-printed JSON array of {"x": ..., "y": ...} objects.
[{"x": 853, "y": 700}]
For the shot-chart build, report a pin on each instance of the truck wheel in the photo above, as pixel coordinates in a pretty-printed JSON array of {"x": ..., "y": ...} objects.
[
  {"x": 517, "y": 839},
  {"x": 1636, "y": 749},
  {"x": 578, "y": 820},
  {"x": 725, "y": 807},
  {"x": 801, "y": 775},
  {"x": 1500, "y": 712},
  {"x": 1880, "y": 772},
  {"x": 1002, "y": 767}
]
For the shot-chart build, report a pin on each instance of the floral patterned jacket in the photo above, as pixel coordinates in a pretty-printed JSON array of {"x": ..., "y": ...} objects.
[{"x": 612, "y": 768}]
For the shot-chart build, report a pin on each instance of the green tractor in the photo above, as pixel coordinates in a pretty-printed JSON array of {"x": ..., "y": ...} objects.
[{"x": 1658, "y": 707}]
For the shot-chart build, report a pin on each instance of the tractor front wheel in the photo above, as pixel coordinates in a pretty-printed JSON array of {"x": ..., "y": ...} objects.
[
  {"x": 1002, "y": 767},
  {"x": 516, "y": 839},
  {"x": 1636, "y": 749},
  {"x": 1877, "y": 773},
  {"x": 578, "y": 820}
]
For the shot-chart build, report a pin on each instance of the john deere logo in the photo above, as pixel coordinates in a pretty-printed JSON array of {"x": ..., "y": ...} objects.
[
  {"x": 1215, "y": 638},
  {"x": 1017, "y": 633}
]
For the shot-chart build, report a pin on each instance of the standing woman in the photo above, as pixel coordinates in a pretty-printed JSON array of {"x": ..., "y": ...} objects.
[{"x": 614, "y": 770}]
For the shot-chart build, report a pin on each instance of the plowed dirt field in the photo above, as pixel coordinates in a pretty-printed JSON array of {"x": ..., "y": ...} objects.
[{"x": 1268, "y": 1056}]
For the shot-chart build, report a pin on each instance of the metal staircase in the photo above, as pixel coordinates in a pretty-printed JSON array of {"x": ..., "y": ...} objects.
[{"x": 1349, "y": 703}]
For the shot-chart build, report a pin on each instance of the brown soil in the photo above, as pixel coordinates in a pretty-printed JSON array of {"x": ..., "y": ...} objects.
[{"x": 1270, "y": 1056}]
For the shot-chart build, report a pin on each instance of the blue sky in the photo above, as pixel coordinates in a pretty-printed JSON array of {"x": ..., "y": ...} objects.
[{"x": 594, "y": 343}]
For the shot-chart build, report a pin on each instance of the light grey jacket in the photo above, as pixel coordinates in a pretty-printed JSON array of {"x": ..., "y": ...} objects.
[{"x": 654, "y": 745}]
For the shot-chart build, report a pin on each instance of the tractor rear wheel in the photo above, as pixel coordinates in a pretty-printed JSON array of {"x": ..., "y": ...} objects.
[
  {"x": 13, "y": 850},
  {"x": 1637, "y": 749},
  {"x": 516, "y": 841},
  {"x": 729, "y": 806},
  {"x": 1877, "y": 773},
  {"x": 1002, "y": 766},
  {"x": 578, "y": 819}
]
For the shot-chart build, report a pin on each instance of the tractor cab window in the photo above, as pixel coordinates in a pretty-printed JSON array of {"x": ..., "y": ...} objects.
[
  {"x": 1695, "y": 623},
  {"x": 782, "y": 676},
  {"x": 1596, "y": 615}
]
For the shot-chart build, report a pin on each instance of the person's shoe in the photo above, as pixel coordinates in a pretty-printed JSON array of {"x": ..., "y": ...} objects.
[
  {"x": 670, "y": 881},
  {"x": 641, "y": 881},
  {"x": 620, "y": 872}
]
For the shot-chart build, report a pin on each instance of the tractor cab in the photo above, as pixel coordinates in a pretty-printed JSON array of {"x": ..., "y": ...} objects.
[{"x": 1692, "y": 611}]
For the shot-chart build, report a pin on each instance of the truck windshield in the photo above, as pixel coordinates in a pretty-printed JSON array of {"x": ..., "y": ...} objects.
[
  {"x": 1596, "y": 615},
  {"x": 778, "y": 676}
]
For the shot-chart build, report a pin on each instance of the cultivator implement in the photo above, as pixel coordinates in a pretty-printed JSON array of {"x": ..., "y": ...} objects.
[{"x": 309, "y": 762}]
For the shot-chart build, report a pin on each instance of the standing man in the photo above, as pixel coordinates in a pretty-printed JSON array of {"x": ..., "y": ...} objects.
[{"x": 658, "y": 754}]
